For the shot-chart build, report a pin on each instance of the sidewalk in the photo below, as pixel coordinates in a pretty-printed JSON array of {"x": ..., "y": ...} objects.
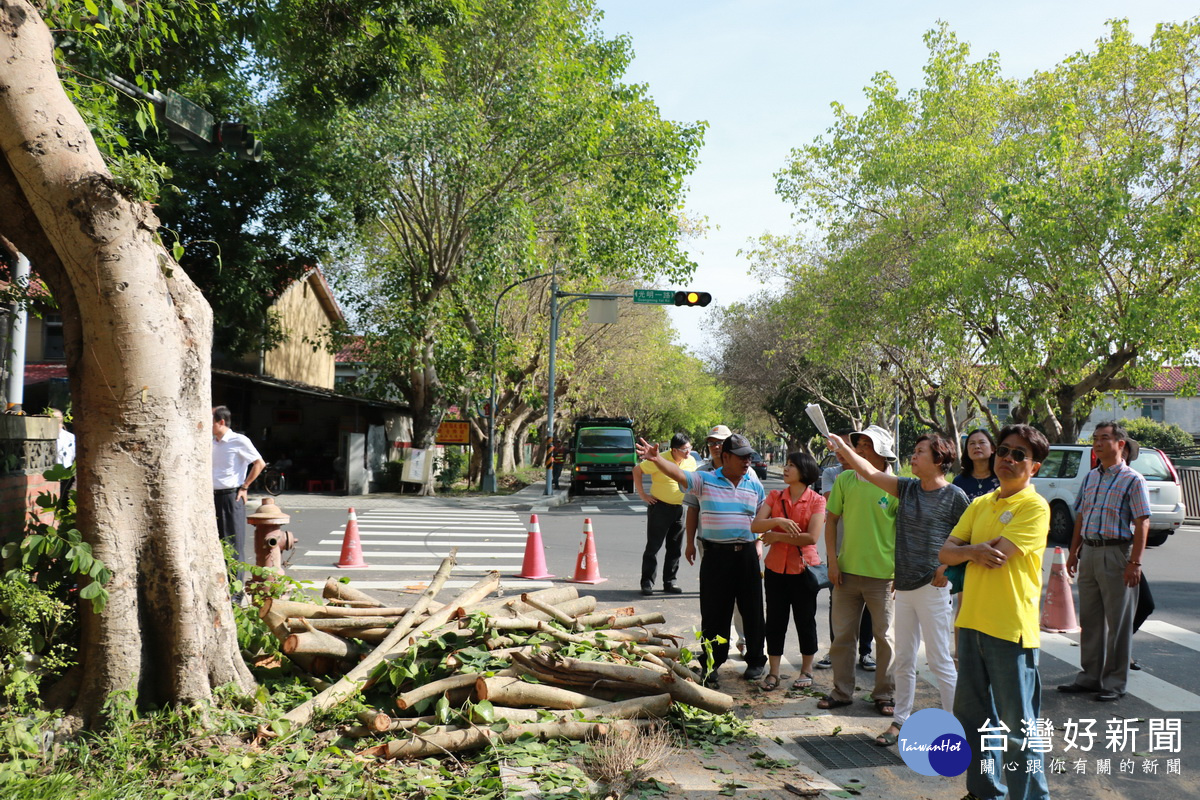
[
  {"x": 530, "y": 497},
  {"x": 761, "y": 768}
]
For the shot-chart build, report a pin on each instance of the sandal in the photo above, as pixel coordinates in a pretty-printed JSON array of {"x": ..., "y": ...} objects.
[
  {"x": 885, "y": 708},
  {"x": 805, "y": 681},
  {"x": 770, "y": 682},
  {"x": 829, "y": 701},
  {"x": 887, "y": 738}
]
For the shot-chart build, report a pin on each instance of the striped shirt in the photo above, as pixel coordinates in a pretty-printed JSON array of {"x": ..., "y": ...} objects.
[
  {"x": 1110, "y": 500},
  {"x": 726, "y": 511}
]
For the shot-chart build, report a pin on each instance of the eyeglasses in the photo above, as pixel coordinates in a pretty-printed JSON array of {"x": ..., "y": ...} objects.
[{"x": 1018, "y": 455}]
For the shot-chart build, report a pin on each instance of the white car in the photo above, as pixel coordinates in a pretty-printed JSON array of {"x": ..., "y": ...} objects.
[{"x": 1062, "y": 475}]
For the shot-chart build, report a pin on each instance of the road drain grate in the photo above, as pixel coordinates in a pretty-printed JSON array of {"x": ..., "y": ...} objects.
[{"x": 849, "y": 751}]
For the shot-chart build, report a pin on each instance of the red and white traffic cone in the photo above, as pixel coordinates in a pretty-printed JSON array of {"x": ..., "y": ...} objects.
[
  {"x": 1058, "y": 611},
  {"x": 352, "y": 556},
  {"x": 587, "y": 566},
  {"x": 534, "y": 567}
]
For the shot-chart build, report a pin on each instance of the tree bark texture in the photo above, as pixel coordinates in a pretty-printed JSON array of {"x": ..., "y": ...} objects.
[{"x": 138, "y": 341}]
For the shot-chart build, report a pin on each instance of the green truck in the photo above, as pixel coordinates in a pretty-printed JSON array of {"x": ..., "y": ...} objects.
[{"x": 602, "y": 454}]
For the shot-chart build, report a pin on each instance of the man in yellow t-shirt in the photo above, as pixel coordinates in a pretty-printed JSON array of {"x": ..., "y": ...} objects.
[
  {"x": 1000, "y": 538},
  {"x": 664, "y": 515}
]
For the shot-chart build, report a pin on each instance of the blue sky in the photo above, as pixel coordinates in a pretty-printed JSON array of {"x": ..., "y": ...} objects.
[{"x": 763, "y": 73}]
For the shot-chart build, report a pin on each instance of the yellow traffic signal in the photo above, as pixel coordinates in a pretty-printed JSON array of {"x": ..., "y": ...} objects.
[{"x": 691, "y": 298}]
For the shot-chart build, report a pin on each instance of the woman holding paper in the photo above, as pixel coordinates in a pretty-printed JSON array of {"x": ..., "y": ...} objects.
[
  {"x": 929, "y": 508},
  {"x": 788, "y": 585}
]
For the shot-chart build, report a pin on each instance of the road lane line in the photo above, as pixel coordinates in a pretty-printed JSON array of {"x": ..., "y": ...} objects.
[
  {"x": 1142, "y": 685},
  {"x": 1172, "y": 633},
  {"x": 407, "y": 554},
  {"x": 451, "y": 543},
  {"x": 411, "y": 568}
]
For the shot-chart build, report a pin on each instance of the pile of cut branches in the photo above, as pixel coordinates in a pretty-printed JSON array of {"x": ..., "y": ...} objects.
[{"x": 546, "y": 665}]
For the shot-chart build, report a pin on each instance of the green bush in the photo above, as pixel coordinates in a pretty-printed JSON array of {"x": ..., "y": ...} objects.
[
  {"x": 454, "y": 463},
  {"x": 37, "y": 640},
  {"x": 1164, "y": 436}
]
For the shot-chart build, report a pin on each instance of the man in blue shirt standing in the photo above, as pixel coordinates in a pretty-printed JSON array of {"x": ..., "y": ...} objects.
[
  {"x": 729, "y": 567},
  {"x": 1112, "y": 521}
]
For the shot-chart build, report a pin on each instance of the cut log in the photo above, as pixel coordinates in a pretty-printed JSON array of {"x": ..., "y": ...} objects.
[
  {"x": 292, "y": 608},
  {"x": 415, "y": 695},
  {"x": 336, "y": 590},
  {"x": 516, "y": 692},
  {"x": 319, "y": 643},
  {"x": 374, "y": 720},
  {"x": 550, "y": 611},
  {"x": 637, "y": 708},
  {"x": 572, "y": 671},
  {"x": 339, "y": 623},
  {"x": 507, "y": 606},
  {"x": 637, "y": 621},
  {"x": 355, "y": 679},
  {"x": 450, "y": 740}
]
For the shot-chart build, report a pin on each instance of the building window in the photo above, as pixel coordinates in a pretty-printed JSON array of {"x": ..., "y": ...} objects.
[
  {"x": 1152, "y": 407},
  {"x": 52, "y": 338},
  {"x": 1000, "y": 409}
]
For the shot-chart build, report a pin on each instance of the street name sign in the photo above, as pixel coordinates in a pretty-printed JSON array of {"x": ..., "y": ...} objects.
[{"x": 657, "y": 297}]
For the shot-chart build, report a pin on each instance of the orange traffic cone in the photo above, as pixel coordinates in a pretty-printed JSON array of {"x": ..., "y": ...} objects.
[
  {"x": 352, "y": 557},
  {"x": 1058, "y": 612},
  {"x": 534, "y": 567},
  {"x": 587, "y": 567}
]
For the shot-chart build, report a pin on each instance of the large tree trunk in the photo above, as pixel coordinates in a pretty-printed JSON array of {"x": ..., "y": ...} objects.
[{"x": 139, "y": 335}]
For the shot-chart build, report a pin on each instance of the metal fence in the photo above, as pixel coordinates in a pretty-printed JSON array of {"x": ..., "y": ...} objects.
[{"x": 1190, "y": 478}]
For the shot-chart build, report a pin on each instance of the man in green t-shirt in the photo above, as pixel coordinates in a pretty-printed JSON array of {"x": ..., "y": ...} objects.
[{"x": 861, "y": 570}]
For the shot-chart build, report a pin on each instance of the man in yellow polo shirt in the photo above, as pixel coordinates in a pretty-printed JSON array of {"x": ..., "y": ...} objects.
[
  {"x": 664, "y": 515},
  {"x": 1001, "y": 538}
]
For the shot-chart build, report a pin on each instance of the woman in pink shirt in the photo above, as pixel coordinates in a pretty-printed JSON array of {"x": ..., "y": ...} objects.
[{"x": 788, "y": 584}]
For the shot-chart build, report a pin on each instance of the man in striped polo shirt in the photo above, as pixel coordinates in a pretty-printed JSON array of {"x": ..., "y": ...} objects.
[
  {"x": 1112, "y": 521},
  {"x": 729, "y": 568}
]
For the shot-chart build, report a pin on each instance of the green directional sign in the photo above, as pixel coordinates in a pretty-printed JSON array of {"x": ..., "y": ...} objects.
[{"x": 657, "y": 297}]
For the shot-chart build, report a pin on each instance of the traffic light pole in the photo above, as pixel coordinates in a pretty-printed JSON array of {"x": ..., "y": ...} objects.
[{"x": 487, "y": 481}]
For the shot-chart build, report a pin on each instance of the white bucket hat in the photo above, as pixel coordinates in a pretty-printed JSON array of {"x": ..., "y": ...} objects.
[{"x": 880, "y": 439}]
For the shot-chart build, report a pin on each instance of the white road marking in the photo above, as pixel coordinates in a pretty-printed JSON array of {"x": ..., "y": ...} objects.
[
  {"x": 590, "y": 509},
  {"x": 461, "y": 568},
  {"x": 514, "y": 584},
  {"x": 1172, "y": 633},
  {"x": 1142, "y": 685},
  {"x": 425, "y": 534},
  {"x": 378, "y": 541},
  {"x": 408, "y": 554}
]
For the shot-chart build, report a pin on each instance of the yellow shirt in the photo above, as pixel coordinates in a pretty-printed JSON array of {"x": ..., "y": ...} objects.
[
  {"x": 664, "y": 488},
  {"x": 1004, "y": 602}
]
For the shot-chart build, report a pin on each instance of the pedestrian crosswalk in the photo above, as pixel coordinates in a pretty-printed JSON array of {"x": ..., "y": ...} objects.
[
  {"x": 1143, "y": 685},
  {"x": 403, "y": 548}
]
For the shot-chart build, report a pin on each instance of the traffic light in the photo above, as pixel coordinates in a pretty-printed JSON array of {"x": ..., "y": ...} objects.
[
  {"x": 236, "y": 138},
  {"x": 690, "y": 298}
]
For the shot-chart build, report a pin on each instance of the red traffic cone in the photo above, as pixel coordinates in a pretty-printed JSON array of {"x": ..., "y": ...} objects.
[
  {"x": 1058, "y": 611},
  {"x": 587, "y": 567},
  {"x": 352, "y": 557},
  {"x": 534, "y": 567}
]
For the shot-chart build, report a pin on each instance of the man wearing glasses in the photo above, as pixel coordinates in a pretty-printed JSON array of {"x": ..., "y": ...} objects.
[
  {"x": 1112, "y": 521},
  {"x": 1001, "y": 538},
  {"x": 664, "y": 516}
]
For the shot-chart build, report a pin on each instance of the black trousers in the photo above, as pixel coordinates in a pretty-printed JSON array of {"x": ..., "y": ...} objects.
[
  {"x": 731, "y": 575},
  {"x": 231, "y": 521},
  {"x": 664, "y": 523},
  {"x": 795, "y": 595}
]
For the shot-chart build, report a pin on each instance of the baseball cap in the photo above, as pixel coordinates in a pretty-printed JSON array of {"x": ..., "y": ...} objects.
[
  {"x": 719, "y": 432},
  {"x": 880, "y": 439},
  {"x": 737, "y": 445}
]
